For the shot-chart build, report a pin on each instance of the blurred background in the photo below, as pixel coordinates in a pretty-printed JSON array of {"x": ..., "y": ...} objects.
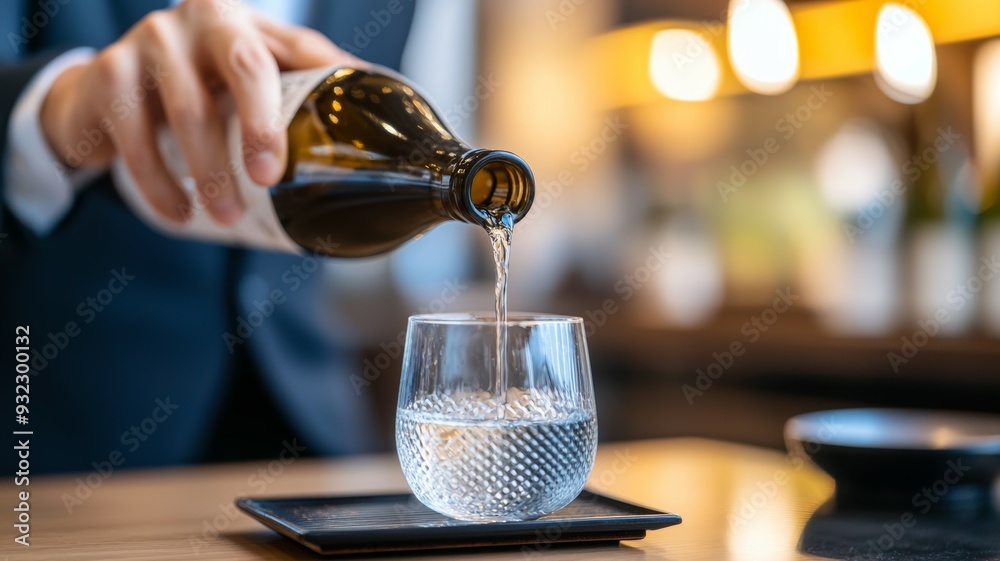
[{"x": 759, "y": 209}]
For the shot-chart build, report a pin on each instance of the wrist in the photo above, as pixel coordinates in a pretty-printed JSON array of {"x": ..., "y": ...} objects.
[{"x": 60, "y": 120}]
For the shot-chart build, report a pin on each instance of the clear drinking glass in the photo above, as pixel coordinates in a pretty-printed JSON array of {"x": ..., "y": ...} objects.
[{"x": 475, "y": 450}]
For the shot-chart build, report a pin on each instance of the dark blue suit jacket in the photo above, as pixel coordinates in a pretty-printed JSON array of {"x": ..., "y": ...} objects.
[{"x": 108, "y": 354}]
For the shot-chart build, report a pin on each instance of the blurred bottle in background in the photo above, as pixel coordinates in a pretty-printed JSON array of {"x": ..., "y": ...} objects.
[
  {"x": 859, "y": 179},
  {"x": 686, "y": 270},
  {"x": 939, "y": 225},
  {"x": 989, "y": 253}
]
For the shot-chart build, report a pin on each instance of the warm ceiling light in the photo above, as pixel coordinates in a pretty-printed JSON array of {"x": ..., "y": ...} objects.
[
  {"x": 763, "y": 46},
  {"x": 683, "y": 65},
  {"x": 905, "y": 60}
]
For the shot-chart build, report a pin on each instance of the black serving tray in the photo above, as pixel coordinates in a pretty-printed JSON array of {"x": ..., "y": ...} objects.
[{"x": 384, "y": 523}]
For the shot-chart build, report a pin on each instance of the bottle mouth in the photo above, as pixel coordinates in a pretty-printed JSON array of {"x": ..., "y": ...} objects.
[{"x": 494, "y": 178}]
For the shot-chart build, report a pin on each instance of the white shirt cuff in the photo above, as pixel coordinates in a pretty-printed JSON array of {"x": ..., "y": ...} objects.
[{"x": 39, "y": 189}]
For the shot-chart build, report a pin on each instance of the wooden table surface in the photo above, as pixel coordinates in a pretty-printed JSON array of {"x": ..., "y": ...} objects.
[{"x": 738, "y": 503}]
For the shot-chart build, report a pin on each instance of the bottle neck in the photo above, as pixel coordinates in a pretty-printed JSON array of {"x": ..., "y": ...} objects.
[{"x": 487, "y": 179}]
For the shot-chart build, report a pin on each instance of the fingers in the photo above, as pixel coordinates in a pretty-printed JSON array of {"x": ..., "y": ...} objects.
[
  {"x": 250, "y": 73},
  {"x": 297, "y": 48},
  {"x": 195, "y": 122},
  {"x": 134, "y": 133},
  {"x": 135, "y": 141}
]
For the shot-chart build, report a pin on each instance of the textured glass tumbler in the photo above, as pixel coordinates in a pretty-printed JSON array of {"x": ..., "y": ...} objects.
[{"x": 473, "y": 450}]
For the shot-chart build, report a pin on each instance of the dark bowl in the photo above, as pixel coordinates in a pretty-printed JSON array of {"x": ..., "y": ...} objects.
[{"x": 901, "y": 455}]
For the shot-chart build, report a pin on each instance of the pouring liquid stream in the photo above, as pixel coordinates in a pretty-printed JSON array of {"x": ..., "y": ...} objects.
[{"x": 500, "y": 227}]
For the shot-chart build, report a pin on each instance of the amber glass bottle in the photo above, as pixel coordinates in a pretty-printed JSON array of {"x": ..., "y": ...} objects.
[{"x": 371, "y": 165}]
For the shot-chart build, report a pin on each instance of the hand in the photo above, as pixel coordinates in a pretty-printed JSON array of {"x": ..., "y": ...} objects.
[{"x": 169, "y": 69}]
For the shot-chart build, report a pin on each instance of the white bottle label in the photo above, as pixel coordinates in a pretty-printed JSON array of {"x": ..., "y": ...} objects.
[{"x": 259, "y": 227}]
